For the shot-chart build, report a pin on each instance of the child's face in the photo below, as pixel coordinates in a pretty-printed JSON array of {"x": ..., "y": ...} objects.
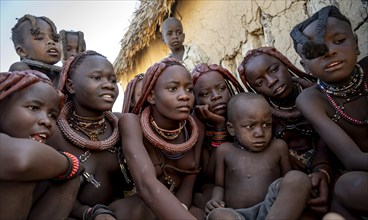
[
  {"x": 210, "y": 89},
  {"x": 72, "y": 45},
  {"x": 172, "y": 94},
  {"x": 173, "y": 35},
  {"x": 253, "y": 125},
  {"x": 94, "y": 84},
  {"x": 42, "y": 47},
  {"x": 137, "y": 92},
  {"x": 30, "y": 112},
  {"x": 341, "y": 59},
  {"x": 268, "y": 76}
]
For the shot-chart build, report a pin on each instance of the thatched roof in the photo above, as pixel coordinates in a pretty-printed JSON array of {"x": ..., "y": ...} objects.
[{"x": 146, "y": 20}]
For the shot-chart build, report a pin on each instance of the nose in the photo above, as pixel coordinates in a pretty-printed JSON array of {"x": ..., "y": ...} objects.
[
  {"x": 215, "y": 96},
  {"x": 331, "y": 51},
  {"x": 271, "y": 80},
  {"x": 45, "y": 120},
  {"x": 50, "y": 41},
  {"x": 184, "y": 95},
  {"x": 258, "y": 132}
]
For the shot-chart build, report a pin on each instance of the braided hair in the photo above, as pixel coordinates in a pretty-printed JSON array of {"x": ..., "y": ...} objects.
[
  {"x": 70, "y": 66},
  {"x": 231, "y": 82},
  {"x": 64, "y": 41},
  {"x": 17, "y": 30},
  {"x": 313, "y": 49},
  {"x": 149, "y": 81},
  {"x": 129, "y": 93},
  {"x": 293, "y": 70}
]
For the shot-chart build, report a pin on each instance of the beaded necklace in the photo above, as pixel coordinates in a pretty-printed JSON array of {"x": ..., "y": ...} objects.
[
  {"x": 90, "y": 126},
  {"x": 76, "y": 139},
  {"x": 167, "y": 134},
  {"x": 159, "y": 142},
  {"x": 355, "y": 84}
]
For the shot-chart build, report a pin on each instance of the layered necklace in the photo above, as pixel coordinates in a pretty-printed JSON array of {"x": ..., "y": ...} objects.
[
  {"x": 167, "y": 134},
  {"x": 92, "y": 143},
  {"x": 159, "y": 141},
  {"x": 45, "y": 66},
  {"x": 348, "y": 91}
]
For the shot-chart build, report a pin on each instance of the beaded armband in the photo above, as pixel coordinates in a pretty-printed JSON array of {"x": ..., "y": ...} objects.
[
  {"x": 218, "y": 137},
  {"x": 73, "y": 167},
  {"x": 91, "y": 213}
]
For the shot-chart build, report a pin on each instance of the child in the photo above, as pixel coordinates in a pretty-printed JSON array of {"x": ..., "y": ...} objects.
[
  {"x": 248, "y": 170},
  {"x": 213, "y": 88},
  {"x": 132, "y": 93},
  {"x": 72, "y": 42},
  {"x": 88, "y": 128},
  {"x": 269, "y": 73},
  {"x": 29, "y": 106},
  {"x": 173, "y": 36},
  {"x": 36, "y": 41},
  {"x": 163, "y": 146},
  {"x": 337, "y": 105}
]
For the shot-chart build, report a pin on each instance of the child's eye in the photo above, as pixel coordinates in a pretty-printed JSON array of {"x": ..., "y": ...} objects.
[
  {"x": 275, "y": 69},
  {"x": 248, "y": 126},
  {"x": 38, "y": 38},
  {"x": 339, "y": 41},
  {"x": 53, "y": 115},
  {"x": 203, "y": 94},
  {"x": 97, "y": 78},
  {"x": 33, "y": 108},
  {"x": 190, "y": 89},
  {"x": 267, "y": 125},
  {"x": 113, "y": 80},
  {"x": 172, "y": 89},
  {"x": 259, "y": 83}
]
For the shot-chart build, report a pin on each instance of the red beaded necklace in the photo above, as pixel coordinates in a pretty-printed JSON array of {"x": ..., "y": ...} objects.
[{"x": 340, "y": 109}]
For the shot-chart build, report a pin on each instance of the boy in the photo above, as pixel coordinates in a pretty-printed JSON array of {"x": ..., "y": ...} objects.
[
  {"x": 337, "y": 105},
  {"x": 173, "y": 36},
  {"x": 253, "y": 164},
  {"x": 36, "y": 41}
]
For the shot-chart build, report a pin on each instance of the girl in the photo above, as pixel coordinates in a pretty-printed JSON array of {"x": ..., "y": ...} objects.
[
  {"x": 27, "y": 191},
  {"x": 72, "y": 42},
  {"x": 163, "y": 145},
  {"x": 337, "y": 105},
  {"x": 132, "y": 93}
]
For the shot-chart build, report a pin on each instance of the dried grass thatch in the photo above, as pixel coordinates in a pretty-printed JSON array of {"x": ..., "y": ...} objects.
[{"x": 146, "y": 20}]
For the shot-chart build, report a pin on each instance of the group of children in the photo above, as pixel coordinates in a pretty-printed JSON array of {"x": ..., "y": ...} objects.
[{"x": 191, "y": 142}]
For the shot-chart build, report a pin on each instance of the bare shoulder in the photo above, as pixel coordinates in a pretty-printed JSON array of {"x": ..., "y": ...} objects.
[
  {"x": 311, "y": 100},
  {"x": 225, "y": 148},
  {"x": 278, "y": 145},
  {"x": 19, "y": 66}
]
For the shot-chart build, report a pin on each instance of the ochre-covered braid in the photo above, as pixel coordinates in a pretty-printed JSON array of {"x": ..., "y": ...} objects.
[
  {"x": 149, "y": 81},
  {"x": 129, "y": 93},
  {"x": 274, "y": 53},
  {"x": 231, "y": 82},
  {"x": 11, "y": 82}
]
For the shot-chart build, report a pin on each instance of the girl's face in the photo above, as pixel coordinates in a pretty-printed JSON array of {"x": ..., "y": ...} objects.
[
  {"x": 253, "y": 125},
  {"x": 337, "y": 64},
  {"x": 30, "y": 112},
  {"x": 210, "y": 89},
  {"x": 93, "y": 86},
  {"x": 268, "y": 76},
  {"x": 43, "y": 47},
  {"x": 72, "y": 45},
  {"x": 172, "y": 97}
]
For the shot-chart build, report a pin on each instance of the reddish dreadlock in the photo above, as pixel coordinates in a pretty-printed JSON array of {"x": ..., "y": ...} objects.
[
  {"x": 11, "y": 82},
  {"x": 149, "y": 81},
  {"x": 274, "y": 53},
  {"x": 129, "y": 93},
  {"x": 231, "y": 82}
]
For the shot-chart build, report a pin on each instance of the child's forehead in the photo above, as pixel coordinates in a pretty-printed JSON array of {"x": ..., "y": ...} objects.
[
  {"x": 333, "y": 26},
  {"x": 172, "y": 24}
]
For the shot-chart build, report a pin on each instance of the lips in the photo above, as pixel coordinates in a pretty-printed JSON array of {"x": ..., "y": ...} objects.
[
  {"x": 108, "y": 97},
  {"x": 219, "y": 106},
  {"x": 184, "y": 108},
  {"x": 53, "y": 52},
  {"x": 40, "y": 137},
  {"x": 279, "y": 90},
  {"x": 333, "y": 66}
]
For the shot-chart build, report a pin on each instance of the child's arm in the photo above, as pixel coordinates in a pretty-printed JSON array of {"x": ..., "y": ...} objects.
[
  {"x": 27, "y": 160},
  {"x": 311, "y": 105},
  {"x": 161, "y": 201},
  {"x": 218, "y": 192},
  {"x": 283, "y": 150}
]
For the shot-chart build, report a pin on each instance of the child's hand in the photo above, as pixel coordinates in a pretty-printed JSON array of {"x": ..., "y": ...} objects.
[
  {"x": 205, "y": 114},
  {"x": 213, "y": 204},
  {"x": 319, "y": 199}
]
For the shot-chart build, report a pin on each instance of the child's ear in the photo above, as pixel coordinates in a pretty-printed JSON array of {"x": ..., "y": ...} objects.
[
  {"x": 230, "y": 128},
  {"x": 69, "y": 85},
  {"x": 306, "y": 69},
  {"x": 20, "y": 51},
  {"x": 356, "y": 41},
  {"x": 151, "y": 98}
]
